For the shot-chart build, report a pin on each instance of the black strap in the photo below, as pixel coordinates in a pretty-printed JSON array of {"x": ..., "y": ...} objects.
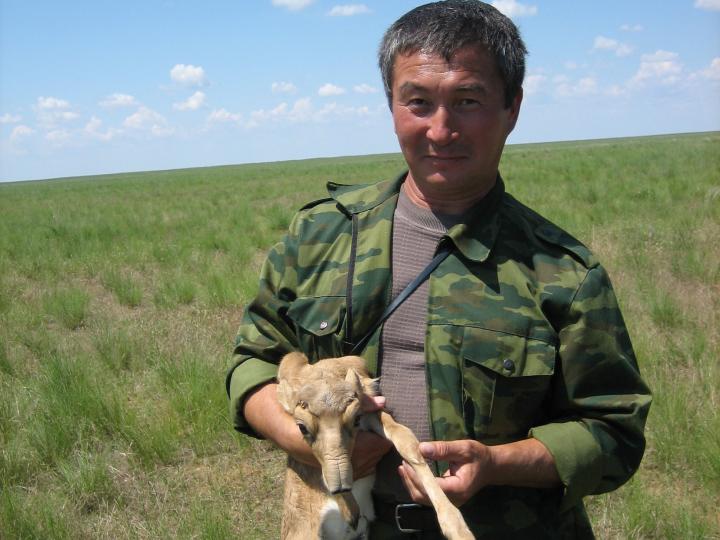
[{"x": 443, "y": 251}]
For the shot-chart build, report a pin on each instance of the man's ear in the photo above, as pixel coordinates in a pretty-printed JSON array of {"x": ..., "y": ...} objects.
[{"x": 514, "y": 110}]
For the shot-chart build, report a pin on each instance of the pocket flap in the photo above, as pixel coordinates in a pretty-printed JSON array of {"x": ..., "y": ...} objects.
[
  {"x": 320, "y": 315},
  {"x": 507, "y": 354}
]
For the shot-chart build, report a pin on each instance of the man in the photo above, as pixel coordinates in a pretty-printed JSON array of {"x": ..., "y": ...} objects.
[{"x": 512, "y": 356}]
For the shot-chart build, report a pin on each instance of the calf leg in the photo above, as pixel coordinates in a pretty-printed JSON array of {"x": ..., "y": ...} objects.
[{"x": 452, "y": 524}]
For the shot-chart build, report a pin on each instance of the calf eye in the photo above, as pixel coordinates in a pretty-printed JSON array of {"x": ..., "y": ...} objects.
[{"x": 303, "y": 430}]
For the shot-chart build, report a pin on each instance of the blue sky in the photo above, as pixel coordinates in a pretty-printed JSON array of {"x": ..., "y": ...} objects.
[{"x": 90, "y": 87}]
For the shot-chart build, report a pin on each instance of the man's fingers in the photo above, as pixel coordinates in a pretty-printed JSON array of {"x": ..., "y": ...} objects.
[
  {"x": 369, "y": 449},
  {"x": 446, "y": 450},
  {"x": 409, "y": 478},
  {"x": 372, "y": 403}
]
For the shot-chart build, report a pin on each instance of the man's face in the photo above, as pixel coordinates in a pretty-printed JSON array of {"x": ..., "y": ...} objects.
[{"x": 451, "y": 120}]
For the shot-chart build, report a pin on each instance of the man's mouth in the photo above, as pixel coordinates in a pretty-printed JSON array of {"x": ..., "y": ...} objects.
[{"x": 440, "y": 157}]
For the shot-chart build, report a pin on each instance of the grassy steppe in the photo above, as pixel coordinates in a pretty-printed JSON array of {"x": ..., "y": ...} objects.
[{"x": 120, "y": 296}]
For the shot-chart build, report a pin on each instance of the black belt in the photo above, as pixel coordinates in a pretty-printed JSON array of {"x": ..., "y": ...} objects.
[{"x": 408, "y": 518}]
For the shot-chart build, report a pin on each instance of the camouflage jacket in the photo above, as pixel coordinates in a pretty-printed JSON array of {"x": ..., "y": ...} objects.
[{"x": 524, "y": 338}]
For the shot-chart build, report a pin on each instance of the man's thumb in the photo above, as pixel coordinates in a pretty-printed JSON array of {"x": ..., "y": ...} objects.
[{"x": 437, "y": 450}]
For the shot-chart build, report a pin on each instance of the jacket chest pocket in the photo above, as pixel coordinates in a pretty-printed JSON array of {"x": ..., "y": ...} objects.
[
  {"x": 318, "y": 323},
  {"x": 506, "y": 380}
]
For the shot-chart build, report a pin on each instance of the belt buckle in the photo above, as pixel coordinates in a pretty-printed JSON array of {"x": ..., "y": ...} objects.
[{"x": 397, "y": 517}]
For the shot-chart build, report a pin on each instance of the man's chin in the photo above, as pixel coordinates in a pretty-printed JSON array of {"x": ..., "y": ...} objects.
[{"x": 441, "y": 177}]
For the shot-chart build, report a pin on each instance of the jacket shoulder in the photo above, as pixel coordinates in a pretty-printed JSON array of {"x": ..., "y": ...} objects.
[
  {"x": 545, "y": 231},
  {"x": 347, "y": 195},
  {"x": 315, "y": 203}
]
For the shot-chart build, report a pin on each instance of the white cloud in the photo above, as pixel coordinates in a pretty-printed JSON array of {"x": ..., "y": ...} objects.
[
  {"x": 51, "y": 103},
  {"x": 142, "y": 118},
  {"x": 8, "y": 118},
  {"x": 608, "y": 44},
  {"x": 118, "y": 100},
  {"x": 329, "y": 89},
  {"x": 583, "y": 87},
  {"x": 223, "y": 116},
  {"x": 161, "y": 131},
  {"x": 533, "y": 84},
  {"x": 348, "y": 10},
  {"x": 660, "y": 66},
  {"x": 66, "y": 115},
  {"x": 304, "y": 111},
  {"x": 301, "y": 110},
  {"x": 709, "y": 5},
  {"x": 21, "y": 131},
  {"x": 615, "y": 91},
  {"x": 292, "y": 5},
  {"x": 93, "y": 125},
  {"x": 283, "y": 87},
  {"x": 51, "y": 111},
  {"x": 256, "y": 117},
  {"x": 145, "y": 119},
  {"x": 335, "y": 110},
  {"x": 712, "y": 72},
  {"x": 632, "y": 28},
  {"x": 365, "y": 89},
  {"x": 58, "y": 136},
  {"x": 192, "y": 103},
  {"x": 512, "y": 8},
  {"x": 92, "y": 129},
  {"x": 187, "y": 74}
]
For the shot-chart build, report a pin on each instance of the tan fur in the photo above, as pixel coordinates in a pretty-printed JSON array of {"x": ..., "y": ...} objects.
[{"x": 325, "y": 399}]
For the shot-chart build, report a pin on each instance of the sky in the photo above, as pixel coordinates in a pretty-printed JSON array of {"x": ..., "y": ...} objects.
[{"x": 93, "y": 87}]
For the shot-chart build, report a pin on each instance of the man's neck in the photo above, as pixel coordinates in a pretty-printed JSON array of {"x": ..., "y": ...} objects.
[{"x": 444, "y": 201}]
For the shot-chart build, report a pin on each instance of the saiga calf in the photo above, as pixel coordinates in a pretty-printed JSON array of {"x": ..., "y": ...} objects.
[{"x": 324, "y": 398}]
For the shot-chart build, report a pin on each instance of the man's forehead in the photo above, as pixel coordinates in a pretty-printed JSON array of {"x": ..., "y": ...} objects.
[
  {"x": 462, "y": 58},
  {"x": 472, "y": 60}
]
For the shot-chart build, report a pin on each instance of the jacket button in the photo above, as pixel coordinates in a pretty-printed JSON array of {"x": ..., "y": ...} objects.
[
  {"x": 509, "y": 365},
  {"x": 323, "y": 325}
]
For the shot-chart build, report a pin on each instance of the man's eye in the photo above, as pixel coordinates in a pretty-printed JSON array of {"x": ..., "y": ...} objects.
[
  {"x": 417, "y": 103},
  {"x": 468, "y": 102}
]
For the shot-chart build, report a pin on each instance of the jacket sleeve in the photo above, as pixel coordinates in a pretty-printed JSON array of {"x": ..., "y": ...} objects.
[
  {"x": 599, "y": 401},
  {"x": 266, "y": 334}
]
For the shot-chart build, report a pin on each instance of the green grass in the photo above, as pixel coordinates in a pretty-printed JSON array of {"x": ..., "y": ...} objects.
[
  {"x": 68, "y": 307},
  {"x": 120, "y": 296},
  {"x": 127, "y": 290}
]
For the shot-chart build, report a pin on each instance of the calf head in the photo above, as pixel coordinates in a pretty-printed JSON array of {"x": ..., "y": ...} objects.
[{"x": 324, "y": 400}]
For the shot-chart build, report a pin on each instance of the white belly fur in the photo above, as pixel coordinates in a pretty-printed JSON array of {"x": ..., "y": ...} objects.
[{"x": 334, "y": 527}]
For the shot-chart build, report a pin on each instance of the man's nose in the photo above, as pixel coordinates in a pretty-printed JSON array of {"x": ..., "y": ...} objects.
[{"x": 441, "y": 130}]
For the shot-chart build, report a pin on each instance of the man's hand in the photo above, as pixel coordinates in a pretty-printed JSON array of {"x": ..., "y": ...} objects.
[
  {"x": 369, "y": 447},
  {"x": 470, "y": 462},
  {"x": 474, "y": 465}
]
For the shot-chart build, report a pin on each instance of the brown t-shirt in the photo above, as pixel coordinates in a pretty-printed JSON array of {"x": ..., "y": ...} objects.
[{"x": 416, "y": 234}]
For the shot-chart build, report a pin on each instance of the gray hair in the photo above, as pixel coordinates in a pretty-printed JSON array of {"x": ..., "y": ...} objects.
[{"x": 443, "y": 28}]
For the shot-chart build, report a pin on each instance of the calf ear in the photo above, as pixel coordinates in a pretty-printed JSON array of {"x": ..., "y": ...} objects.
[
  {"x": 291, "y": 364},
  {"x": 371, "y": 387},
  {"x": 286, "y": 396},
  {"x": 353, "y": 378}
]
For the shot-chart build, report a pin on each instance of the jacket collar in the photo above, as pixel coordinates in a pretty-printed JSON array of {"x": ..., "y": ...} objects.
[
  {"x": 474, "y": 237},
  {"x": 361, "y": 198}
]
